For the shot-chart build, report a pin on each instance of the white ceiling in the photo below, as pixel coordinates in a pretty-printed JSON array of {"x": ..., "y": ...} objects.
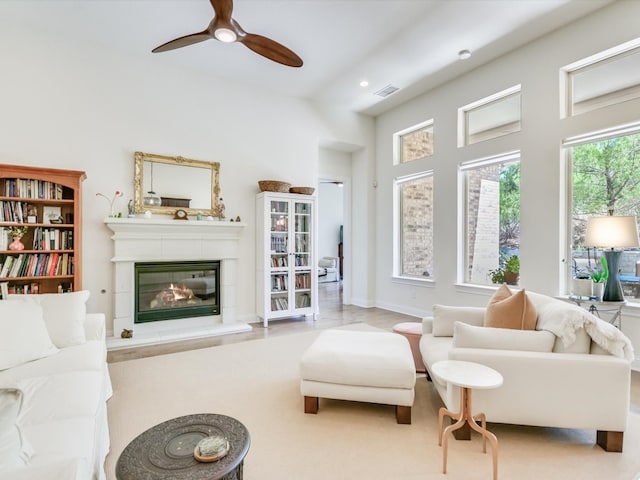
[{"x": 411, "y": 44}]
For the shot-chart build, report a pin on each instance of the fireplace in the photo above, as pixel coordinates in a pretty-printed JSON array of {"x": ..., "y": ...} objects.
[
  {"x": 171, "y": 290},
  {"x": 160, "y": 240}
]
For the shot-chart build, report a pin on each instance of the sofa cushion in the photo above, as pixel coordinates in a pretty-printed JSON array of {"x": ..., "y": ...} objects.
[
  {"x": 23, "y": 334},
  {"x": 445, "y": 316},
  {"x": 510, "y": 310},
  {"x": 582, "y": 343},
  {"x": 470, "y": 336},
  {"x": 15, "y": 451},
  {"x": 64, "y": 315}
]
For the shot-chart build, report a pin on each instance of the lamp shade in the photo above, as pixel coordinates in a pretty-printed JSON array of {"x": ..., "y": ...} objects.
[{"x": 612, "y": 232}]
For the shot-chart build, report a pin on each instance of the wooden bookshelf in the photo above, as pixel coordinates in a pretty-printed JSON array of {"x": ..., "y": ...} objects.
[{"x": 49, "y": 203}]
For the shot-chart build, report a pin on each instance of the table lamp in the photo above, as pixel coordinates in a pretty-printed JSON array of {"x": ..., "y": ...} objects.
[{"x": 612, "y": 233}]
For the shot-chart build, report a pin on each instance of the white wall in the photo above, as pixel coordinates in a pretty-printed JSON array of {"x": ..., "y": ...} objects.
[
  {"x": 535, "y": 66},
  {"x": 77, "y": 106},
  {"x": 330, "y": 216},
  {"x": 334, "y": 165}
]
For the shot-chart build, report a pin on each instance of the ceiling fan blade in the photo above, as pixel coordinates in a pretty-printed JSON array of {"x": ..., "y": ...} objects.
[
  {"x": 223, "y": 9},
  {"x": 183, "y": 41},
  {"x": 271, "y": 49}
]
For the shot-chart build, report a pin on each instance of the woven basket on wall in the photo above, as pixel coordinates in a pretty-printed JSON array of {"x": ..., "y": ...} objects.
[{"x": 274, "y": 186}]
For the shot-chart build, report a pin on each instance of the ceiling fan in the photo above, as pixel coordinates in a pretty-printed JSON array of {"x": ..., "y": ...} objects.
[{"x": 224, "y": 28}]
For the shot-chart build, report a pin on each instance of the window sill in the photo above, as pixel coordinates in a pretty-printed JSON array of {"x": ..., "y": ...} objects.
[{"x": 423, "y": 282}]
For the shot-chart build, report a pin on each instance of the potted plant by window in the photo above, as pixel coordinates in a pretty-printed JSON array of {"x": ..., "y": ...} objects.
[
  {"x": 496, "y": 275},
  {"x": 512, "y": 270},
  {"x": 599, "y": 278}
]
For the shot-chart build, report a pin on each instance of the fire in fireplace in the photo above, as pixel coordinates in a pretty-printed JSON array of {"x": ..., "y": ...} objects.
[{"x": 172, "y": 290}]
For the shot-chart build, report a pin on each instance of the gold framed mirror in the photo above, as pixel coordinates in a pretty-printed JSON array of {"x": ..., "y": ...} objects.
[{"x": 163, "y": 184}]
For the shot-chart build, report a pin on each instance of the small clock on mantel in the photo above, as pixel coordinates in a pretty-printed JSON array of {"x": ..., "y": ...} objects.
[{"x": 180, "y": 215}]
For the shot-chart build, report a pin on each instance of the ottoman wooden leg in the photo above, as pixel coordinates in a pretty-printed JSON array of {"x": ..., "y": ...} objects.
[
  {"x": 403, "y": 414},
  {"x": 310, "y": 404}
]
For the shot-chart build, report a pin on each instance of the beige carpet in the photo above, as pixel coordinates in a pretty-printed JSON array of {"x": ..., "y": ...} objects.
[{"x": 257, "y": 383}]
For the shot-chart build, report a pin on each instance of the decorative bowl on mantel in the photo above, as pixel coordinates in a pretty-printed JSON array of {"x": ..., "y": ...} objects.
[
  {"x": 302, "y": 190},
  {"x": 274, "y": 186}
]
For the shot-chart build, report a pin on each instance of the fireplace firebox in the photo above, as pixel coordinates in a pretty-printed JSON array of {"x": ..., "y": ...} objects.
[{"x": 173, "y": 290}]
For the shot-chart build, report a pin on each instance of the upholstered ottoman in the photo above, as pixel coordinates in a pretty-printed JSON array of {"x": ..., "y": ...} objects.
[{"x": 374, "y": 367}]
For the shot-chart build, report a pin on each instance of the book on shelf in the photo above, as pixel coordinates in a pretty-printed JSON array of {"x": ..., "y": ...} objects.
[
  {"x": 16, "y": 266},
  {"x": 4, "y": 290},
  {"x": 64, "y": 269},
  {"x": 53, "y": 264},
  {"x": 23, "y": 267},
  {"x": 40, "y": 264},
  {"x": 4, "y": 238},
  {"x": 6, "y": 266}
]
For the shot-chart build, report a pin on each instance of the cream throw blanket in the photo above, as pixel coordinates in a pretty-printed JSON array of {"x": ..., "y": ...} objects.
[{"x": 564, "y": 319}]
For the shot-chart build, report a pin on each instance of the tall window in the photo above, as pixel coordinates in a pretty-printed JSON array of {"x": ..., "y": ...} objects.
[
  {"x": 492, "y": 218},
  {"x": 490, "y": 117},
  {"x": 605, "y": 180},
  {"x": 414, "y": 232},
  {"x": 413, "y": 143}
]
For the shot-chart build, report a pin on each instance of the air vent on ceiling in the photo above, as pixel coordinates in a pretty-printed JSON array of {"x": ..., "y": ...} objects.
[{"x": 386, "y": 91}]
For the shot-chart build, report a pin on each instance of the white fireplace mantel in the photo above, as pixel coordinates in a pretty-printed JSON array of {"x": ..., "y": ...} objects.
[{"x": 164, "y": 239}]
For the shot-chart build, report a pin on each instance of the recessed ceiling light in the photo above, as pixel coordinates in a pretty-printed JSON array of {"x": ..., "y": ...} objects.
[
  {"x": 464, "y": 54},
  {"x": 364, "y": 83}
]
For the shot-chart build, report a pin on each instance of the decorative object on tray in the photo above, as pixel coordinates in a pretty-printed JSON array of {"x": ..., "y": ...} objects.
[
  {"x": 274, "y": 186},
  {"x": 302, "y": 190},
  {"x": 111, "y": 201},
  {"x": 212, "y": 448}
]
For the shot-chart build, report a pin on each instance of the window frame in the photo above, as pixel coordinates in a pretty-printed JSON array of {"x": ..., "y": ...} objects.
[
  {"x": 398, "y": 136},
  {"x": 567, "y": 149},
  {"x": 464, "y": 139},
  {"x": 398, "y": 241},
  {"x": 593, "y": 62},
  {"x": 506, "y": 158}
]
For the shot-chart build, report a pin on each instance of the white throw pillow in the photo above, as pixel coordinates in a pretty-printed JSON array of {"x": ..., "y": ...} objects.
[
  {"x": 64, "y": 315},
  {"x": 15, "y": 451},
  {"x": 23, "y": 334},
  {"x": 471, "y": 336},
  {"x": 445, "y": 316}
]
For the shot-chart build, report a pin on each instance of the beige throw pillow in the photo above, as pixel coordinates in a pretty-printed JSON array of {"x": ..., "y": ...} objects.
[{"x": 510, "y": 310}]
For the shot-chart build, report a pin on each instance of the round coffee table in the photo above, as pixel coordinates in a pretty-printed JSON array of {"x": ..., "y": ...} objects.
[
  {"x": 166, "y": 451},
  {"x": 466, "y": 375}
]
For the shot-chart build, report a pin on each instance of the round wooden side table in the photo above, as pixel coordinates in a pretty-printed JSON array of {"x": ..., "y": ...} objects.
[
  {"x": 467, "y": 376},
  {"x": 165, "y": 452}
]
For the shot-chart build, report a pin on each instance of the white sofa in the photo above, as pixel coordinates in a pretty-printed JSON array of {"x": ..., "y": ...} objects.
[
  {"x": 572, "y": 371},
  {"x": 54, "y": 384}
]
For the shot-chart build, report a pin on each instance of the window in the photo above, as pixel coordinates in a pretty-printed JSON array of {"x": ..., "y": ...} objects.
[
  {"x": 605, "y": 179},
  {"x": 604, "y": 79},
  {"x": 414, "y": 226},
  {"x": 414, "y": 143},
  {"x": 490, "y": 117},
  {"x": 492, "y": 216}
]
